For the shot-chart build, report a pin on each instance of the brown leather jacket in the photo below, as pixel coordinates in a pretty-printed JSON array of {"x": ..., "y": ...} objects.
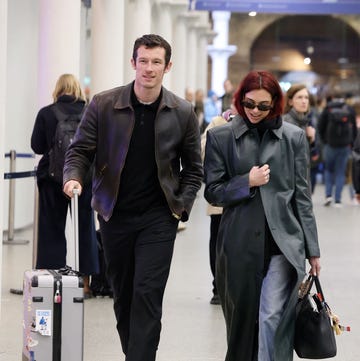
[{"x": 104, "y": 135}]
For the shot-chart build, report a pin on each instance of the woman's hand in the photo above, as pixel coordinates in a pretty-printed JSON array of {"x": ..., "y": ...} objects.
[
  {"x": 315, "y": 266},
  {"x": 259, "y": 176}
]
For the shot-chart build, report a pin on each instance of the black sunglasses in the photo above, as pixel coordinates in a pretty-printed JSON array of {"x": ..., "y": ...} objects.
[{"x": 261, "y": 107}]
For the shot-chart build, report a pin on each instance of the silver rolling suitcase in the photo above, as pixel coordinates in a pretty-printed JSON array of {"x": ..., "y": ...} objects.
[{"x": 53, "y": 325}]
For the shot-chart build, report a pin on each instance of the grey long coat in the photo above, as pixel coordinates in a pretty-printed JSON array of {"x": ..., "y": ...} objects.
[{"x": 231, "y": 151}]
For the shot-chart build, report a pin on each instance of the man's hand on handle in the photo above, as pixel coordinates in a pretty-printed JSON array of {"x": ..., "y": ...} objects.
[{"x": 70, "y": 185}]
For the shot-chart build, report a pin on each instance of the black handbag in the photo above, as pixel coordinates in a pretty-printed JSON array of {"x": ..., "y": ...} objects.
[{"x": 314, "y": 331}]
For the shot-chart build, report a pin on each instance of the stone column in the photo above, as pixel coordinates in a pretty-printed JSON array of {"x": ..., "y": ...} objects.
[
  {"x": 180, "y": 52},
  {"x": 3, "y": 55},
  {"x": 192, "y": 56},
  {"x": 163, "y": 25},
  {"x": 107, "y": 32},
  {"x": 206, "y": 37},
  {"x": 59, "y": 44},
  {"x": 136, "y": 23},
  {"x": 220, "y": 51},
  {"x": 85, "y": 48}
]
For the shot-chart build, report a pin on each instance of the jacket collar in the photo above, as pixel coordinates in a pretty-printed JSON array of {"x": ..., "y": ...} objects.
[{"x": 240, "y": 127}]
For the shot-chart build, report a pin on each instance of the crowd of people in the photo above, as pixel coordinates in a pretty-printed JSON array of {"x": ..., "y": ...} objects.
[{"x": 138, "y": 159}]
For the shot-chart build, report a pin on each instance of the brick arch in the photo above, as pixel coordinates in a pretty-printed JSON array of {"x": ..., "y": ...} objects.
[
  {"x": 255, "y": 38},
  {"x": 243, "y": 31}
]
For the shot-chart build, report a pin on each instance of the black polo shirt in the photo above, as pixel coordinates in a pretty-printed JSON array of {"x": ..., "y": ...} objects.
[{"x": 139, "y": 188}]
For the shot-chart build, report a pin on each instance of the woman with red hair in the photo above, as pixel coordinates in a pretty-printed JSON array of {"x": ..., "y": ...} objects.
[{"x": 256, "y": 169}]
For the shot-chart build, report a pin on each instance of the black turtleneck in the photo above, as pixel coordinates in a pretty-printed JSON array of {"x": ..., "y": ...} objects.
[{"x": 267, "y": 123}]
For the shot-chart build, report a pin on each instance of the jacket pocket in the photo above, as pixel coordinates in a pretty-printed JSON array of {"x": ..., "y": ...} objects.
[{"x": 99, "y": 176}]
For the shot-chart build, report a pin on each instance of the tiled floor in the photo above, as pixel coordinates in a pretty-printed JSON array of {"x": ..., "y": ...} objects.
[{"x": 193, "y": 330}]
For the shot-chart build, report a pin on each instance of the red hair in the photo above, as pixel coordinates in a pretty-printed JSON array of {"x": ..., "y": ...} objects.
[{"x": 260, "y": 80}]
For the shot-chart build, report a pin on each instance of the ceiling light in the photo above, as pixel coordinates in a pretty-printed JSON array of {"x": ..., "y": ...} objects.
[
  {"x": 343, "y": 60},
  {"x": 310, "y": 49}
]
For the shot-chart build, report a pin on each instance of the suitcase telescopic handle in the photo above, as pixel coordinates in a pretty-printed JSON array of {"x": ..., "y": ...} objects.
[{"x": 75, "y": 225}]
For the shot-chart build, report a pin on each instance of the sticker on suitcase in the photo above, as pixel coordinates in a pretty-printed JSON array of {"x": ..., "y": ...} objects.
[{"x": 43, "y": 322}]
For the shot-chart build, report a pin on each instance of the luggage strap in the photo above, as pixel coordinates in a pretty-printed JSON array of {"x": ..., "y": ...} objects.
[{"x": 68, "y": 271}]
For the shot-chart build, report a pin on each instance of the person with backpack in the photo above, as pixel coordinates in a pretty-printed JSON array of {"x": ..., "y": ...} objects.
[
  {"x": 54, "y": 128},
  {"x": 356, "y": 168},
  {"x": 337, "y": 131},
  {"x": 355, "y": 171}
]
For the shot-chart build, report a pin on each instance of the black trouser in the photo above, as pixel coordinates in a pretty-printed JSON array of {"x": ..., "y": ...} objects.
[
  {"x": 214, "y": 230},
  {"x": 138, "y": 251}
]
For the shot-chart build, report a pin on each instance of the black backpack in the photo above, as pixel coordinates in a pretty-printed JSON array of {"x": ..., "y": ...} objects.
[
  {"x": 339, "y": 130},
  {"x": 64, "y": 135}
]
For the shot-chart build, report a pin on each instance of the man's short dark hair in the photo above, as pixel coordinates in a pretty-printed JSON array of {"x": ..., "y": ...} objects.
[{"x": 152, "y": 41}]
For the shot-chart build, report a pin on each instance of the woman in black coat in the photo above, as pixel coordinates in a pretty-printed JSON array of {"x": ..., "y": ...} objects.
[
  {"x": 53, "y": 204},
  {"x": 256, "y": 168}
]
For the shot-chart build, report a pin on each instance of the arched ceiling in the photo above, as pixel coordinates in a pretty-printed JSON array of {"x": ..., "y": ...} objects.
[
  {"x": 279, "y": 43},
  {"x": 331, "y": 44},
  {"x": 279, "y": 7}
]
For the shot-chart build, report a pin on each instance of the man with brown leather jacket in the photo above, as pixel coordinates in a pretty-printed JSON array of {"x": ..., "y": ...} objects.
[{"x": 146, "y": 146}]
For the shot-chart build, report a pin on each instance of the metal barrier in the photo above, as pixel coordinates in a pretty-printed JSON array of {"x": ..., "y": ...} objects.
[{"x": 12, "y": 175}]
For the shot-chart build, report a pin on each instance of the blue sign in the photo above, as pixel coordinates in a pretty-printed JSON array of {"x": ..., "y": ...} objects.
[{"x": 280, "y": 7}]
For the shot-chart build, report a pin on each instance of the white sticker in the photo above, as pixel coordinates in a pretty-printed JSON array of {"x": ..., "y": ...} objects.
[
  {"x": 43, "y": 322},
  {"x": 31, "y": 342}
]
